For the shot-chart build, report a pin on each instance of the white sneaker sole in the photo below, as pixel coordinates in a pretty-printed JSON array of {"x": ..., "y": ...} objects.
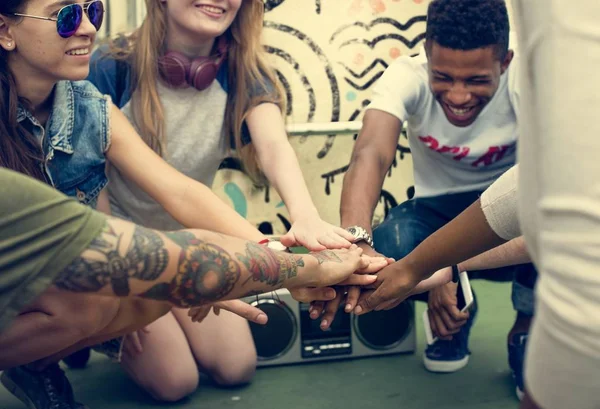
[
  {"x": 445, "y": 366},
  {"x": 520, "y": 393}
]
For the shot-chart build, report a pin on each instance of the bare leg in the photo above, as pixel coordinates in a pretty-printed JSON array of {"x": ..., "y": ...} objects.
[
  {"x": 166, "y": 368},
  {"x": 222, "y": 345},
  {"x": 528, "y": 403}
]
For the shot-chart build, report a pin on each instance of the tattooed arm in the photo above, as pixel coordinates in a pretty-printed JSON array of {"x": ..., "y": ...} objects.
[{"x": 195, "y": 267}]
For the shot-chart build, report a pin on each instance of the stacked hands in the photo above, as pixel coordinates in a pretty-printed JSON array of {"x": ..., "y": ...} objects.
[
  {"x": 396, "y": 281},
  {"x": 393, "y": 282},
  {"x": 323, "y": 240},
  {"x": 355, "y": 274}
]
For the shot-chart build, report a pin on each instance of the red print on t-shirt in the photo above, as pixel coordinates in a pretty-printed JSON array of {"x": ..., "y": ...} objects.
[{"x": 493, "y": 155}]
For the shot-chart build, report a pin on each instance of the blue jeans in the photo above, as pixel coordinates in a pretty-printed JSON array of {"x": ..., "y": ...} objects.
[{"x": 408, "y": 224}]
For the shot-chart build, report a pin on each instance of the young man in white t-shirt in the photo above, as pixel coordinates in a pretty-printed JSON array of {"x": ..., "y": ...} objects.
[{"x": 459, "y": 99}]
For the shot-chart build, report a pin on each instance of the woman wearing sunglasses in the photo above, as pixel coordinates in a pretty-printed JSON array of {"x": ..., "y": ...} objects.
[
  {"x": 194, "y": 81},
  {"x": 61, "y": 130}
]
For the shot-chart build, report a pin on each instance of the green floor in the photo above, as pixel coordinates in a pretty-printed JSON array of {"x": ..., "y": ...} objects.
[{"x": 398, "y": 382}]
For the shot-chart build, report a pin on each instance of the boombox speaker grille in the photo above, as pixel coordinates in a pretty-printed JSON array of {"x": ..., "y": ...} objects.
[
  {"x": 278, "y": 336},
  {"x": 291, "y": 336},
  {"x": 382, "y": 330}
]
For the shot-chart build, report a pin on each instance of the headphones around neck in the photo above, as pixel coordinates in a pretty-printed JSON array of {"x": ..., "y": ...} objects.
[{"x": 178, "y": 71}]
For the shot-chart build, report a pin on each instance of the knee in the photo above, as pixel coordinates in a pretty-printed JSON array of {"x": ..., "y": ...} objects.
[
  {"x": 237, "y": 372},
  {"x": 393, "y": 240},
  {"x": 173, "y": 385},
  {"x": 386, "y": 241}
]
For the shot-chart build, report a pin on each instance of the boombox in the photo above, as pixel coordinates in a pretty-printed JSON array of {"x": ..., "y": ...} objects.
[{"x": 291, "y": 336}]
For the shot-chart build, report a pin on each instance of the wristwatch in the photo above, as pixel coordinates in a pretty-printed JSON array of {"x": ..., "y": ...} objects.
[
  {"x": 360, "y": 234},
  {"x": 455, "y": 273}
]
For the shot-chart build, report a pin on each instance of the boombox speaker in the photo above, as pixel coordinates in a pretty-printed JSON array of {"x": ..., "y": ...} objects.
[{"x": 291, "y": 336}]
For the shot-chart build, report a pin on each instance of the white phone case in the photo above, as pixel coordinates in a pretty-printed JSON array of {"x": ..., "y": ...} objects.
[{"x": 465, "y": 286}]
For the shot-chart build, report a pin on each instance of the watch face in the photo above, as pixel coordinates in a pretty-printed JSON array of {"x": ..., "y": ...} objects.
[{"x": 360, "y": 234}]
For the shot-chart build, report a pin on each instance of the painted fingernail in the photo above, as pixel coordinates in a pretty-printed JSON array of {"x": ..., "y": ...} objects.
[
  {"x": 330, "y": 293},
  {"x": 314, "y": 315},
  {"x": 310, "y": 309},
  {"x": 324, "y": 324},
  {"x": 358, "y": 309},
  {"x": 348, "y": 307}
]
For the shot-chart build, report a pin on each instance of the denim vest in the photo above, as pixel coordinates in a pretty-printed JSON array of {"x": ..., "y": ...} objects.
[{"x": 75, "y": 139}]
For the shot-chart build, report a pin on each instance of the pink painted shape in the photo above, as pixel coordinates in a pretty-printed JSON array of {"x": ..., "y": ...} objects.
[{"x": 378, "y": 6}]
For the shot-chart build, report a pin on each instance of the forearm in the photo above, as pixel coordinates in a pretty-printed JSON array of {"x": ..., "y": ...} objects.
[
  {"x": 372, "y": 156},
  {"x": 188, "y": 201},
  {"x": 184, "y": 268},
  {"x": 466, "y": 236},
  {"x": 281, "y": 167},
  {"x": 508, "y": 254},
  {"x": 195, "y": 205},
  {"x": 361, "y": 190},
  {"x": 199, "y": 208}
]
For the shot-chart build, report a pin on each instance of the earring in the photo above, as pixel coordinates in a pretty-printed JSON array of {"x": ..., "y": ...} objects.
[{"x": 9, "y": 44}]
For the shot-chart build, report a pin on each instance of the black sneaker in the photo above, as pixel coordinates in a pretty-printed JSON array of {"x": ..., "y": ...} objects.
[
  {"x": 451, "y": 356},
  {"x": 516, "y": 359},
  {"x": 47, "y": 389}
]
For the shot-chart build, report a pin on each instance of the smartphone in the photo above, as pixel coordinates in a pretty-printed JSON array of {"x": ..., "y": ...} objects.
[{"x": 464, "y": 302}]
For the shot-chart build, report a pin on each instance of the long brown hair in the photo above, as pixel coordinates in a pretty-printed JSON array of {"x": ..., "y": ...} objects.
[
  {"x": 248, "y": 69},
  {"x": 19, "y": 149}
]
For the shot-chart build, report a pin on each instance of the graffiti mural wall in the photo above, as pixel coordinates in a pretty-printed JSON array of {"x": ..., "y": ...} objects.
[{"x": 328, "y": 54}]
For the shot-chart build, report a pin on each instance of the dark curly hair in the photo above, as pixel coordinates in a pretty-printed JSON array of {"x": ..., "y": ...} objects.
[{"x": 468, "y": 25}]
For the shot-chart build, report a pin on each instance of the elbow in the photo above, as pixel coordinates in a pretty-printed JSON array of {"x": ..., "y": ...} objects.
[
  {"x": 178, "y": 198},
  {"x": 366, "y": 157},
  {"x": 276, "y": 157},
  {"x": 360, "y": 155},
  {"x": 522, "y": 245}
]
